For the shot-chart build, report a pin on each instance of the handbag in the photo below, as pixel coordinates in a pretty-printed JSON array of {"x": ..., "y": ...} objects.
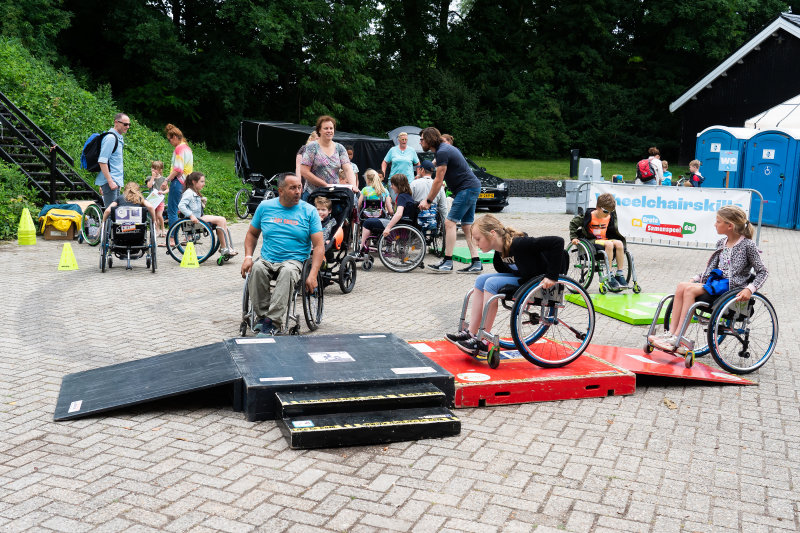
[{"x": 716, "y": 283}]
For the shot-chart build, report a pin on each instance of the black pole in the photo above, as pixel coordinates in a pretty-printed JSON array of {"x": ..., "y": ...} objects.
[
  {"x": 574, "y": 155},
  {"x": 52, "y": 175}
]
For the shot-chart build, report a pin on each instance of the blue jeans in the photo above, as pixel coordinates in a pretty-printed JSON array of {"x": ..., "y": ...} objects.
[
  {"x": 463, "y": 208},
  {"x": 175, "y": 192},
  {"x": 493, "y": 282}
]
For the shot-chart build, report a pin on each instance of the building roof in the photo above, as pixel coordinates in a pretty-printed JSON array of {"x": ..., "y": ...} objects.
[
  {"x": 783, "y": 115},
  {"x": 786, "y": 21}
]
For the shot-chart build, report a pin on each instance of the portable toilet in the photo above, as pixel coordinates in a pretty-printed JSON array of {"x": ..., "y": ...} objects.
[
  {"x": 771, "y": 168},
  {"x": 715, "y": 139}
]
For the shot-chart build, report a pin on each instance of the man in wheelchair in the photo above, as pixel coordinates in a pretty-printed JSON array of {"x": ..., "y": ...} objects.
[{"x": 289, "y": 228}]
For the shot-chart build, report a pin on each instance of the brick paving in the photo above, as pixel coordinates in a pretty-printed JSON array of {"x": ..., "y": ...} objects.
[{"x": 725, "y": 459}]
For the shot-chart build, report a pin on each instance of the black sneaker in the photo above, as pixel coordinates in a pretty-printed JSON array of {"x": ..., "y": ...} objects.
[
  {"x": 458, "y": 337},
  {"x": 612, "y": 284},
  {"x": 445, "y": 266},
  {"x": 474, "y": 268},
  {"x": 473, "y": 347}
]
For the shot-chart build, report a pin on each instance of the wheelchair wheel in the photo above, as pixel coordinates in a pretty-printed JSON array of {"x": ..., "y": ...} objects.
[
  {"x": 629, "y": 268},
  {"x": 248, "y": 315},
  {"x": 151, "y": 260},
  {"x": 403, "y": 250},
  {"x": 553, "y": 327},
  {"x": 312, "y": 301},
  {"x": 367, "y": 264},
  {"x": 437, "y": 239},
  {"x": 742, "y": 335},
  {"x": 696, "y": 331},
  {"x": 240, "y": 202},
  {"x": 103, "y": 236},
  {"x": 347, "y": 274},
  {"x": 185, "y": 231},
  {"x": 91, "y": 222},
  {"x": 581, "y": 263}
]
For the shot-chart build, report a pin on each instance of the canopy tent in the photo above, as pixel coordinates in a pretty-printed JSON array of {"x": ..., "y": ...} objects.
[
  {"x": 270, "y": 147},
  {"x": 784, "y": 116}
]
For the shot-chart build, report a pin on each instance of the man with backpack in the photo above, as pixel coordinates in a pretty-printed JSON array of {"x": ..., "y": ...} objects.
[
  {"x": 649, "y": 171},
  {"x": 110, "y": 177}
]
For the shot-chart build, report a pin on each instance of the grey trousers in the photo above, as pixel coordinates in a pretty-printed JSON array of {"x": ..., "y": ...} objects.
[
  {"x": 269, "y": 302},
  {"x": 109, "y": 196}
]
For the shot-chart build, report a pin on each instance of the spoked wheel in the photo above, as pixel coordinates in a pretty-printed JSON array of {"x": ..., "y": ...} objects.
[
  {"x": 248, "y": 315},
  {"x": 242, "y": 197},
  {"x": 403, "y": 250},
  {"x": 199, "y": 234},
  {"x": 153, "y": 248},
  {"x": 437, "y": 240},
  {"x": 105, "y": 233},
  {"x": 552, "y": 327},
  {"x": 347, "y": 274},
  {"x": 696, "y": 331},
  {"x": 581, "y": 263},
  {"x": 742, "y": 335},
  {"x": 91, "y": 224},
  {"x": 312, "y": 301}
]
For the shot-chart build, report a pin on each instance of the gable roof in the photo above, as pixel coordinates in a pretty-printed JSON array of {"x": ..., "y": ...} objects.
[
  {"x": 786, "y": 21},
  {"x": 784, "y": 115}
]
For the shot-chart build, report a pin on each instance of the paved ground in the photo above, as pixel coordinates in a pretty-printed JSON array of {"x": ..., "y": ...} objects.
[{"x": 725, "y": 459}]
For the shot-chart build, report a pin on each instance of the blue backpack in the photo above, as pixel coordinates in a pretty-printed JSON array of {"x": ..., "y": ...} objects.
[{"x": 91, "y": 151}]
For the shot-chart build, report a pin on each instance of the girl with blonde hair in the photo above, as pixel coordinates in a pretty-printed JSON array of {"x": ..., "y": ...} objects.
[
  {"x": 517, "y": 259},
  {"x": 375, "y": 190},
  {"x": 131, "y": 195}
]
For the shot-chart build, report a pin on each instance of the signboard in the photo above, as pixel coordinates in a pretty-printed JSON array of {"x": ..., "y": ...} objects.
[
  {"x": 680, "y": 214},
  {"x": 728, "y": 160}
]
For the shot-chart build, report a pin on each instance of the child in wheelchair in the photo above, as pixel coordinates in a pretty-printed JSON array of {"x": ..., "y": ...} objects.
[
  {"x": 599, "y": 227},
  {"x": 192, "y": 204},
  {"x": 403, "y": 205},
  {"x": 374, "y": 201},
  {"x": 131, "y": 196},
  {"x": 729, "y": 268},
  {"x": 517, "y": 259}
]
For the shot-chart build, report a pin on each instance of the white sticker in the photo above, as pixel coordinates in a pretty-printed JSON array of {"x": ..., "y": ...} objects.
[
  {"x": 636, "y": 312},
  {"x": 726, "y": 376},
  {"x": 473, "y": 376},
  {"x": 422, "y": 347},
  {"x": 256, "y": 340},
  {"x": 768, "y": 154},
  {"x": 413, "y": 370},
  {"x": 282, "y": 378},
  {"x": 331, "y": 357},
  {"x": 372, "y": 336},
  {"x": 513, "y": 354},
  {"x": 75, "y": 406},
  {"x": 640, "y": 358},
  {"x": 716, "y": 147},
  {"x": 303, "y": 423}
]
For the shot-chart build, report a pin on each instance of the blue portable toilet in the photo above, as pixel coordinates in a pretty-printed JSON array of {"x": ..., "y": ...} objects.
[
  {"x": 771, "y": 168},
  {"x": 715, "y": 139}
]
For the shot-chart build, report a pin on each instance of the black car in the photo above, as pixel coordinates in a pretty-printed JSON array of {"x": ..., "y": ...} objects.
[{"x": 494, "y": 192}]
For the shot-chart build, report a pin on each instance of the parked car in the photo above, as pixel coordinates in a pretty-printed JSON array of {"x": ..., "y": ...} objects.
[{"x": 494, "y": 192}]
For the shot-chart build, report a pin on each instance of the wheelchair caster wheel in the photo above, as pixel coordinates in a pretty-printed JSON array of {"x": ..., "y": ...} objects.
[
  {"x": 637, "y": 288},
  {"x": 688, "y": 360},
  {"x": 243, "y": 329},
  {"x": 220, "y": 260},
  {"x": 493, "y": 358},
  {"x": 648, "y": 348},
  {"x": 603, "y": 288},
  {"x": 295, "y": 330},
  {"x": 367, "y": 264}
]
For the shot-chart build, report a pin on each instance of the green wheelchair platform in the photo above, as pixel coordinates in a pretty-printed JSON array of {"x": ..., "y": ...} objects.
[
  {"x": 461, "y": 254},
  {"x": 636, "y": 309}
]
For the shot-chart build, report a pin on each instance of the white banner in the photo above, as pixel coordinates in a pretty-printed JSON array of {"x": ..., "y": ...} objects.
[{"x": 679, "y": 214}]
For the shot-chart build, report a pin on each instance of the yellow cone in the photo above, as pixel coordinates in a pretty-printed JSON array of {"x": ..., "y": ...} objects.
[
  {"x": 67, "y": 258},
  {"x": 26, "y": 232},
  {"x": 190, "y": 257}
]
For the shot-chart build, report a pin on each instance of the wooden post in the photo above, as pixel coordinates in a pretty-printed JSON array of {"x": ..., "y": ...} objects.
[{"x": 727, "y": 177}]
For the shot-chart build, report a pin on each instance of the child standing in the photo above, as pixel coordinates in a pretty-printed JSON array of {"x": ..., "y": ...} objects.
[
  {"x": 695, "y": 178},
  {"x": 191, "y": 205},
  {"x": 157, "y": 183},
  {"x": 667, "y": 181},
  {"x": 599, "y": 226},
  {"x": 735, "y": 256},
  {"x": 517, "y": 259}
]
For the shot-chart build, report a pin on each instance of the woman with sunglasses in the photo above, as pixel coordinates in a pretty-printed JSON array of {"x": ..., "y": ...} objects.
[{"x": 599, "y": 226}]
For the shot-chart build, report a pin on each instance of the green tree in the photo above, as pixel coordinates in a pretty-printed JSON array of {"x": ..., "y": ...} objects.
[{"x": 36, "y": 23}]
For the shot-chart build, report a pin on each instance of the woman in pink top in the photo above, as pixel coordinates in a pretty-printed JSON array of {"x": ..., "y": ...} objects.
[{"x": 182, "y": 166}]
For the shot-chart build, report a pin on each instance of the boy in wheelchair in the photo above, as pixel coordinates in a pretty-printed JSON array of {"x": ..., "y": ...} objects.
[{"x": 599, "y": 227}]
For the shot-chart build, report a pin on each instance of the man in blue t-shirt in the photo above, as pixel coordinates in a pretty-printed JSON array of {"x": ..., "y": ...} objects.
[
  {"x": 452, "y": 168},
  {"x": 290, "y": 228}
]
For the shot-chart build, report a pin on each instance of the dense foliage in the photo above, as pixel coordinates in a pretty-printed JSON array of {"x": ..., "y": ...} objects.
[
  {"x": 14, "y": 197},
  {"x": 69, "y": 114},
  {"x": 514, "y": 78}
]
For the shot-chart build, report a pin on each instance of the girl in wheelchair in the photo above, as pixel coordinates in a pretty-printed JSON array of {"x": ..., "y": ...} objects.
[
  {"x": 401, "y": 188},
  {"x": 736, "y": 256},
  {"x": 131, "y": 195},
  {"x": 374, "y": 201},
  {"x": 517, "y": 259},
  {"x": 192, "y": 204}
]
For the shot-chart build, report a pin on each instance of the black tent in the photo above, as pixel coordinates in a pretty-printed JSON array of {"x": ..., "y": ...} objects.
[{"x": 270, "y": 147}]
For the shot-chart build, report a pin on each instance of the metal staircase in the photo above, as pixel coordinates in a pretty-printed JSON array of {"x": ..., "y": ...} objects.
[{"x": 49, "y": 169}]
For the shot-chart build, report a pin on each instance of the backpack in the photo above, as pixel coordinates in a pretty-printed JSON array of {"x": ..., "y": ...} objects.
[
  {"x": 645, "y": 171},
  {"x": 91, "y": 151}
]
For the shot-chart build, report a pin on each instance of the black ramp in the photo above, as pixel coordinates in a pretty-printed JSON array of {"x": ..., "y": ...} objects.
[{"x": 125, "y": 384}]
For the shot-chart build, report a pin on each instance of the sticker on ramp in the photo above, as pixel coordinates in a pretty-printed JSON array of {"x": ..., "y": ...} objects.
[
  {"x": 422, "y": 347},
  {"x": 473, "y": 376},
  {"x": 641, "y": 358},
  {"x": 331, "y": 357}
]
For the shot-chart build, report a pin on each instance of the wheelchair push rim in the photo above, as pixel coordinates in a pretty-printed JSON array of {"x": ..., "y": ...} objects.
[
  {"x": 185, "y": 231},
  {"x": 403, "y": 250}
]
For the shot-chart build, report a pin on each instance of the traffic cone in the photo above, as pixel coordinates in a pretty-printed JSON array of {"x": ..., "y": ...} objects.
[
  {"x": 26, "y": 232},
  {"x": 67, "y": 258},
  {"x": 189, "y": 259}
]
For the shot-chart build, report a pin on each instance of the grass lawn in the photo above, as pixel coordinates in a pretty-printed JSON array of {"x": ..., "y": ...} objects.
[{"x": 556, "y": 169}]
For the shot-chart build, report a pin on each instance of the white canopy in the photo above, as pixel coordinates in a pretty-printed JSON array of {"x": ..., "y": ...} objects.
[{"x": 783, "y": 116}]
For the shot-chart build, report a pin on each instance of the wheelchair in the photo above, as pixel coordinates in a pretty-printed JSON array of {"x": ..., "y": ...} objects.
[
  {"x": 312, "y": 303},
  {"x": 586, "y": 258},
  {"x": 548, "y": 327},
  {"x": 91, "y": 224},
  {"x": 741, "y": 336},
  {"x": 127, "y": 234},
  {"x": 201, "y": 234},
  {"x": 246, "y": 201},
  {"x": 403, "y": 249}
]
